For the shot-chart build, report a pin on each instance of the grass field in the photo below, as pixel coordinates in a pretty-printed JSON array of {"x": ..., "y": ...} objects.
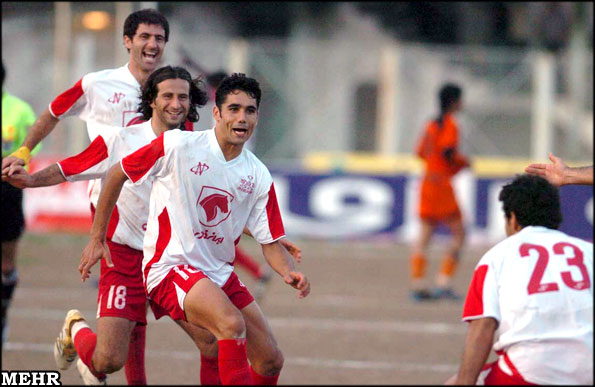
[{"x": 357, "y": 326}]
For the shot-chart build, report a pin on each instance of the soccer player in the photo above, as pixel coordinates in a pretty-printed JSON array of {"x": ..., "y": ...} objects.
[
  {"x": 438, "y": 148},
  {"x": 534, "y": 291},
  {"x": 559, "y": 174},
  {"x": 108, "y": 97},
  {"x": 262, "y": 273},
  {"x": 17, "y": 117},
  {"x": 169, "y": 97},
  {"x": 205, "y": 189}
]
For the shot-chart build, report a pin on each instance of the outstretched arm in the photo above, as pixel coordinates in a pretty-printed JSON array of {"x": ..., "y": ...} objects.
[
  {"x": 97, "y": 246},
  {"x": 480, "y": 335},
  {"x": 38, "y": 131},
  {"x": 20, "y": 178},
  {"x": 281, "y": 262},
  {"x": 559, "y": 174}
]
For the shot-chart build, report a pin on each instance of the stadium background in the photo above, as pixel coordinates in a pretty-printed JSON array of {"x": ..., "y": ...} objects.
[{"x": 347, "y": 89}]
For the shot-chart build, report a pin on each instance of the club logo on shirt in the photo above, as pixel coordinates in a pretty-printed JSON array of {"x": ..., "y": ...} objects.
[
  {"x": 116, "y": 97},
  {"x": 199, "y": 168},
  {"x": 247, "y": 184},
  {"x": 214, "y": 206}
]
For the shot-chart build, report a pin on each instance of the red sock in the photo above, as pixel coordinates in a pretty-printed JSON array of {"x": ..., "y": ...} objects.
[
  {"x": 248, "y": 263},
  {"x": 84, "y": 342},
  {"x": 135, "y": 363},
  {"x": 209, "y": 371},
  {"x": 261, "y": 380},
  {"x": 233, "y": 362}
]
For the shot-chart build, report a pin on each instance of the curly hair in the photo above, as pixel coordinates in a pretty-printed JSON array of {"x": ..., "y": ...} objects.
[
  {"x": 534, "y": 201},
  {"x": 146, "y": 16},
  {"x": 237, "y": 81},
  {"x": 198, "y": 95}
]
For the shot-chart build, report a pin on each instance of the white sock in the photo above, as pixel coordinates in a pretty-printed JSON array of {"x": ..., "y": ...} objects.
[{"x": 77, "y": 326}]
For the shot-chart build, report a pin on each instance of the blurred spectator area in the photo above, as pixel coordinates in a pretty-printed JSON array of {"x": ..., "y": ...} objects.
[{"x": 342, "y": 77}]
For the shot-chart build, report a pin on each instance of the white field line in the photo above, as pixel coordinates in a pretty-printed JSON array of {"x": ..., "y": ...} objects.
[
  {"x": 294, "y": 361},
  {"x": 333, "y": 324}
]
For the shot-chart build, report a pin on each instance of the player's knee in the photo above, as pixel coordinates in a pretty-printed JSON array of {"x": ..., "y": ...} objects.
[
  {"x": 108, "y": 362},
  {"x": 232, "y": 325},
  {"x": 271, "y": 365}
]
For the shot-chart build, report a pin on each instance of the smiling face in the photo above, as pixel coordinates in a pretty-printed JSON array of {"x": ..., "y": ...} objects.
[
  {"x": 146, "y": 46},
  {"x": 236, "y": 120},
  {"x": 172, "y": 103}
]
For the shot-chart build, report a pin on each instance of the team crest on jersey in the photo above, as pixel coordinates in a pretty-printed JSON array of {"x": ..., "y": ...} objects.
[
  {"x": 199, "y": 168},
  {"x": 247, "y": 184},
  {"x": 214, "y": 206}
]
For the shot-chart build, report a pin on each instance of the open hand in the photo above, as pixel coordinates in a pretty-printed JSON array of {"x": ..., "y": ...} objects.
[
  {"x": 298, "y": 281},
  {"x": 93, "y": 252}
]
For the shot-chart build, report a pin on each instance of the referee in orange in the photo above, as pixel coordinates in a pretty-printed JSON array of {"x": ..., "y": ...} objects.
[{"x": 438, "y": 148}]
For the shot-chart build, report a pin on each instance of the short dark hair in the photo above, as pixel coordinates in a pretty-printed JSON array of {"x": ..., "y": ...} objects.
[
  {"x": 147, "y": 16},
  {"x": 237, "y": 81},
  {"x": 534, "y": 201},
  {"x": 448, "y": 95},
  {"x": 198, "y": 95}
]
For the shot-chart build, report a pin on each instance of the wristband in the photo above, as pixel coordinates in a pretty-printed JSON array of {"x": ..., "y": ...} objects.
[{"x": 22, "y": 153}]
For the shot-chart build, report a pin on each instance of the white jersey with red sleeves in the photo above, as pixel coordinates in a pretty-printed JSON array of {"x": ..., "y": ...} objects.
[
  {"x": 538, "y": 285},
  {"x": 200, "y": 204},
  {"x": 130, "y": 214},
  {"x": 109, "y": 97}
]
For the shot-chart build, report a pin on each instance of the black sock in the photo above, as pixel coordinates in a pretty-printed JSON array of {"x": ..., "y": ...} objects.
[{"x": 9, "y": 282}]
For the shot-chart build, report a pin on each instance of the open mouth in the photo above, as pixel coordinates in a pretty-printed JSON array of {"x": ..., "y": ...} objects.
[
  {"x": 149, "y": 56},
  {"x": 240, "y": 131}
]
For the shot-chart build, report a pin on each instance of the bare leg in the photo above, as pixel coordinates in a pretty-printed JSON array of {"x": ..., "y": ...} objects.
[
  {"x": 113, "y": 337},
  {"x": 204, "y": 340}
]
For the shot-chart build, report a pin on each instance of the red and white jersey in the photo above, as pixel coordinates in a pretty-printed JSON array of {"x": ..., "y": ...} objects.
[
  {"x": 200, "y": 204},
  {"x": 538, "y": 285},
  {"x": 109, "y": 97},
  {"x": 129, "y": 218}
]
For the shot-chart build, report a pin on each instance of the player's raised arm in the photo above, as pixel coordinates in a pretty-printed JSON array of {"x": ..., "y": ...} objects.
[
  {"x": 97, "y": 246},
  {"x": 279, "y": 259}
]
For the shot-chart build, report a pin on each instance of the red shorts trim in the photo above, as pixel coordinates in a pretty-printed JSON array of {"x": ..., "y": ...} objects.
[
  {"x": 168, "y": 296},
  {"x": 497, "y": 377},
  {"x": 121, "y": 291}
]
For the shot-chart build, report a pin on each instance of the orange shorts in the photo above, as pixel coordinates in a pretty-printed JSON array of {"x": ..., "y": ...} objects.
[{"x": 437, "y": 199}]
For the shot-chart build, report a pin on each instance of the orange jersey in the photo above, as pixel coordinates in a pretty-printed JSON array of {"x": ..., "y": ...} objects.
[
  {"x": 435, "y": 141},
  {"x": 437, "y": 201}
]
